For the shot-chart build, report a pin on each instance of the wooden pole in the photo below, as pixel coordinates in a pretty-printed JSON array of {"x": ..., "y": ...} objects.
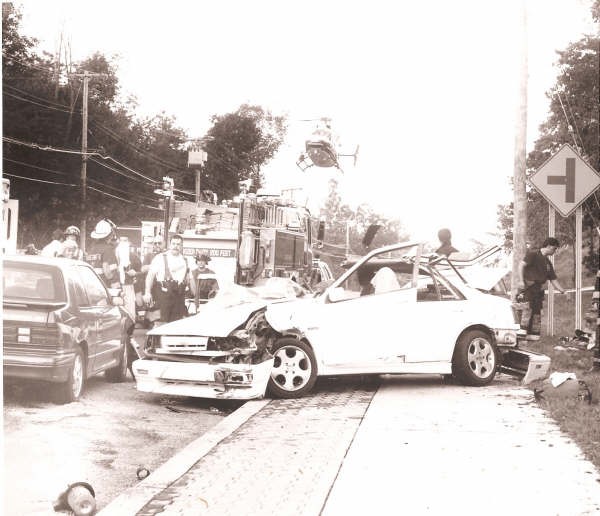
[
  {"x": 520, "y": 193},
  {"x": 84, "y": 125}
]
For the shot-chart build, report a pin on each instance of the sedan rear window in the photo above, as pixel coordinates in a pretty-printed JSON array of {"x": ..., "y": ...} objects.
[{"x": 32, "y": 282}]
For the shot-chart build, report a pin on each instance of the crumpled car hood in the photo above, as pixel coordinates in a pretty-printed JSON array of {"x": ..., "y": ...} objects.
[{"x": 211, "y": 321}]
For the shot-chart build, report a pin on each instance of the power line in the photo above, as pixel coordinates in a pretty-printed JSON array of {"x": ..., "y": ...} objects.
[
  {"x": 122, "y": 199},
  {"x": 38, "y": 180},
  {"x": 149, "y": 182},
  {"x": 35, "y": 166},
  {"x": 39, "y": 98},
  {"x": 8, "y": 139},
  {"x": 146, "y": 154},
  {"x": 68, "y": 151},
  {"x": 574, "y": 123},
  {"x": 36, "y": 103}
]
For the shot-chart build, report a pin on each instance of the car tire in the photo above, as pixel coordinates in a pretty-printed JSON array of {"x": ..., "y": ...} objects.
[
  {"x": 475, "y": 359},
  {"x": 119, "y": 372},
  {"x": 294, "y": 369},
  {"x": 72, "y": 389}
]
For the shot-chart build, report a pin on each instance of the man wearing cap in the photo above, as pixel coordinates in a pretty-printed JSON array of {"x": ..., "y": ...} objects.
[
  {"x": 102, "y": 256},
  {"x": 170, "y": 270},
  {"x": 205, "y": 280}
]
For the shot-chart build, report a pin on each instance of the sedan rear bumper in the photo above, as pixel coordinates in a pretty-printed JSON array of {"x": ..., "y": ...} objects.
[
  {"x": 202, "y": 380},
  {"x": 50, "y": 369}
]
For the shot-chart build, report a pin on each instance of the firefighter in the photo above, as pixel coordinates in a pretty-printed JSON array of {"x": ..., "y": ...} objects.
[
  {"x": 72, "y": 233},
  {"x": 102, "y": 255},
  {"x": 170, "y": 269}
]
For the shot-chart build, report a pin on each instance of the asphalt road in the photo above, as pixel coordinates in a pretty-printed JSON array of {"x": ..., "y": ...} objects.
[{"x": 102, "y": 439}]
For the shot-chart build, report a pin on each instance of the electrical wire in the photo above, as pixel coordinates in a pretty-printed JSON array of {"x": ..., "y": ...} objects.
[
  {"x": 8, "y": 139},
  {"x": 89, "y": 154},
  {"x": 36, "y": 97},
  {"x": 146, "y": 154},
  {"x": 122, "y": 199},
  {"x": 34, "y": 166},
  {"x": 121, "y": 173},
  {"x": 38, "y": 180},
  {"x": 574, "y": 123},
  {"x": 36, "y": 103}
]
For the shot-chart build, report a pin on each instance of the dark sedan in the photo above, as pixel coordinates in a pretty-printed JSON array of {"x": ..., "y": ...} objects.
[{"x": 61, "y": 324}]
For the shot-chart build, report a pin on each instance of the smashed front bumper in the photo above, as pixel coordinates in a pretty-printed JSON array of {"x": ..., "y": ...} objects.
[
  {"x": 524, "y": 364},
  {"x": 203, "y": 380}
]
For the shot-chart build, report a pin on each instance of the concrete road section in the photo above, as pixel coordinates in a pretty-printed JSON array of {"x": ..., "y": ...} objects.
[
  {"x": 102, "y": 439},
  {"x": 424, "y": 448},
  {"x": 413, "y": 446}
]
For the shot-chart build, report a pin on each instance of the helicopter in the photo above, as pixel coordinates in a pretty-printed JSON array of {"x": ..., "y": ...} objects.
[{"x": 321, "y": 147}]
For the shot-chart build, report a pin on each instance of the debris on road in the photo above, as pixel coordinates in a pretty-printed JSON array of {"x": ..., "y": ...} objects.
[
  {"x": 78, "y": 498},
  {"x": 563, "y": 385},
  {"x": 142, "y": 473}
]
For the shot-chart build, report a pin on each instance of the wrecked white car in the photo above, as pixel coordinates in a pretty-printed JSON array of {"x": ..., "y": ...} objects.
[{"x": 392, "y": 312}]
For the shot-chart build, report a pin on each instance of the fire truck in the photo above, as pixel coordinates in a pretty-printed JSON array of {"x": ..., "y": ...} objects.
[{"x": 252, "y": 238}]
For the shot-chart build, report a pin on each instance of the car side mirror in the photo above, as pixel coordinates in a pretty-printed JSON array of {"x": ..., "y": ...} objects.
[{"x": 336, "y": 294}]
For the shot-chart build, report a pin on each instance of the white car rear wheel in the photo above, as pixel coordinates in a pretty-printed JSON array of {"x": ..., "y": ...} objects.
[{"x": 294, "y": 369}]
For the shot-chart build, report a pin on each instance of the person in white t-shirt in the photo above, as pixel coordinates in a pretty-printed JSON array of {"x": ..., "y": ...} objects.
[
  {"x": 55, "y": 247},
  {"x": 170, "y": 270}
]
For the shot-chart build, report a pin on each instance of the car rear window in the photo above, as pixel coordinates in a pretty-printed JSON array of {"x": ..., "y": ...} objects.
[{"x": 32, "y": 282}]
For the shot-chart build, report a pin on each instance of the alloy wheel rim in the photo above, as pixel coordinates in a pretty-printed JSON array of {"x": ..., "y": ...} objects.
[
  {"x": 480, "y": 357},
  {"x": 291, "y": 368}
]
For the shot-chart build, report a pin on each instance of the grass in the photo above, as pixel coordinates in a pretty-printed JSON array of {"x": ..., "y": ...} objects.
[{"x": 580, "y": 420}]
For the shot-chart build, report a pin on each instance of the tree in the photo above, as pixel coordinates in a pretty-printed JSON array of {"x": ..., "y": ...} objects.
[
  {"x": 238, "y": 145},
  {"x": 342, "y": 221},
  {"x": 129, "y": 156},
  {"x": 573, "y": 118}
]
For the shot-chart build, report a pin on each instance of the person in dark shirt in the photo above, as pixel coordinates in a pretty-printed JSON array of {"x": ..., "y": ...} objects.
[
  {"x": 534, "y": 271},
  {"x": 205, "y": 281},
  {"x": 446, "y": 240}
]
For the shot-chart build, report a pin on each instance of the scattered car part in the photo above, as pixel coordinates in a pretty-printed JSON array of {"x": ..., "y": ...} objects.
[
  {"x": 142, "y": 473},
  {"x": 79, "y": 497}
]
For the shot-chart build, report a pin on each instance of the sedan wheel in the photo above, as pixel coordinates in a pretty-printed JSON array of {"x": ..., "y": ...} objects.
[
  {"x": 475, "y": 358},
  {"x": 71, "y": 390},
  {"x": 119, "y": 372},
  {"x": 294, "y": 369}
]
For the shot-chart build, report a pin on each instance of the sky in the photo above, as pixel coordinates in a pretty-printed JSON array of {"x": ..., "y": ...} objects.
[{"x": 427, "y": 89}]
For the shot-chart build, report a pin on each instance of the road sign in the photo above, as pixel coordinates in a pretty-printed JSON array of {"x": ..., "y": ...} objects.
[{"x": 565, "y": 180}]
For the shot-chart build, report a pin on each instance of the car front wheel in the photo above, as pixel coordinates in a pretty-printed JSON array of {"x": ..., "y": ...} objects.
[
  {"x": 71, "y": 389},
  {"x": 475, "y": 358},
  {"x": 294, "y": 369}
]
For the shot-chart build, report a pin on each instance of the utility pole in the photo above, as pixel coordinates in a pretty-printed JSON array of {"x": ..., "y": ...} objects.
[
  {"x": 84, "y": 125},
  {"x": 520, "y": 193},
  {"x": 84, "y": 154}
]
